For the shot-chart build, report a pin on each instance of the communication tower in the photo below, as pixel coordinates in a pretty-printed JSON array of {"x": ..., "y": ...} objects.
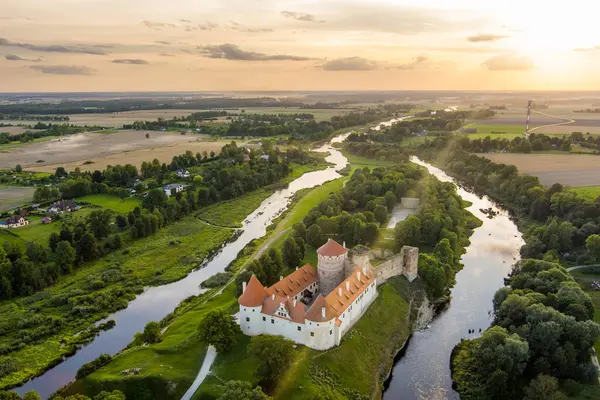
[{"x": 529, "y": 104}]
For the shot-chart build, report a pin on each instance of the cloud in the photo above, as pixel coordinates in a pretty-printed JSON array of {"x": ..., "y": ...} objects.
[
  {"x": 300, "y": 16},
  {"x": 483, "y": 37},
  {"x": 230, "y": 51},
  {"x": 587, "y": 48},
  {"x": 157, "y": 26},
  {"x": 185, "y": 21},
  {"x": 166, "y": 55},
  {"x": 243, "y": 28},
  {"x": 131, "y": 61},
  {"x": 508, "y": 62},
  {"x": 51, "y": 48},
  {"x": 12, "y": 57},
  {"x": 63, "y": 69},
  {"x": 350, "y": 64},
  {"x": 412, "y": 65},
  {"x": 162, "y": 42},
  {"x": 208, "y": 26}
]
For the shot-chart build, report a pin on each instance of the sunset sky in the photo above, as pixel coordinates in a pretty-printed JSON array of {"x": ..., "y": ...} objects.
[{"x": 118, "y": 45}]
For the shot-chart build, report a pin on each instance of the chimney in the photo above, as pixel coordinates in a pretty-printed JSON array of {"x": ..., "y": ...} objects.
[
  {"x": 348, "y": 286},
  {"x": 344, "y": 243},
  {"x": 323, "y": 312},
  {"x": 244, "y": 287},
  {"x": 340, "y": 292},
  {"x": 296, "y": 268},
  {"x": 280, "y": 277},
  {"x": 273, "y": 296},
  {"x": 294, "y": 303},
  {"x": 364, "y": 270},
  {"x": 358, "y": 275}
]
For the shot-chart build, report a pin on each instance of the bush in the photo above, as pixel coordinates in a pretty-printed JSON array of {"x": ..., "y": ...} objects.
[
  {"x": 217, "y": 280},
  {"x": 92, "y": 366}
]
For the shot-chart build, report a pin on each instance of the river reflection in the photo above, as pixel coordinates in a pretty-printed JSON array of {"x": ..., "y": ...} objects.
[
  {"x": 424, "y": 370},
  {"x": 156, "y": 302}
]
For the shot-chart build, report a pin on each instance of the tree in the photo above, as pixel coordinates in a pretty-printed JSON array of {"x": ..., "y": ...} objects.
[
  {"x": 99, "y": 222},
  {"x": 198, "y": 180},
  {"x": 274, "y": 354},
  {"x": 219, "y": 329},
  {"x": 390, "y": 200},
  {"x": 443, "y": 252},
  {"x": 31, "y": 395},
  {"x": 64, "y": 256},
  {"x": 87, "y": 247},
  {"x": 61, "y": 173},
  {"x": 300, "y": 230},
  {"x": 236, "y": 390},
  {"x": 432, "y": 274},
  {"x": 121, "y": 222},
  {"x": 543, "y": 387},
  {"x": 315, "y": 236},
  {"x": 155, "y": 198},
  {"x": 53, "y": 240},
  {"x": 381, "y": 213},
  {"x": 151, "y": 332},
  {"x": 592, "y": 245},
  {"x": 408, "y": 232},
  {"x": 291, "y": 253},
  {"x": 18, "y": 169}
]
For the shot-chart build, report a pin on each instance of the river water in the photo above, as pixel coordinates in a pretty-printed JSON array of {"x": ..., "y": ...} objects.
[
  {"x": 156, "y": 302},
  {"x": 424, "y": 370}
]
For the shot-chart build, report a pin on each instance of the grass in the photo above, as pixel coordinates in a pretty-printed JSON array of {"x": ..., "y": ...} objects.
[
  {"x": 341, "y": 372},
  {"x": 504, "y": 131},
  {"x": 232, "y": 213},
  {"x": 150, "y": 261},
  {"x": 114, "y": 203},
  {"x": 590, "y": 193},
  {"x": 167, "y": 368},
  {"x": 360, "y": 162}
]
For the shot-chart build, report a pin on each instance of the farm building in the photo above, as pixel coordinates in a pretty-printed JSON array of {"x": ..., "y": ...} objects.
[
  {"x": 63, "y": 206},
  {"x": 15, "y": 221},
  {"x": 172, "y": 188}
]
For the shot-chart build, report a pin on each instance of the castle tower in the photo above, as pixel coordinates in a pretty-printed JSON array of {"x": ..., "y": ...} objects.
[
  {"x": 332, "y": 261},
  {"x": 359, "y": 256},
  {"x": 410, "y": 262}
]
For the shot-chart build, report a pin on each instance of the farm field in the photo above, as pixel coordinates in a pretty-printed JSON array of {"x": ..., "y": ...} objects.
[
  {"x": 84, "y": 146},
  {"x": 566, "y": 169},
  {"x": 13, "y": 130},
  {"x": 14, "y": 196},
  {"x": 112, "y": 202}
]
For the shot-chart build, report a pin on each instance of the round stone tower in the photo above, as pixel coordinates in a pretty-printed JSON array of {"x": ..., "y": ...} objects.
[{"x": 332, "y": 261}]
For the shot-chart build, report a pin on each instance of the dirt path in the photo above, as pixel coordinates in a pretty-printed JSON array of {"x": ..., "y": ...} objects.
[{"x": 565, "y": 121}]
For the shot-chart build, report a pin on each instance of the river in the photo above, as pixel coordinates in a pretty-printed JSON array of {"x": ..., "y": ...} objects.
[
  {"x": 156, "y": 302},
  {"x": 423, "y": 372}
]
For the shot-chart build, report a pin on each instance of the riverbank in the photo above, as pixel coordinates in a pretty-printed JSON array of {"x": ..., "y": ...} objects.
[{"x": 165, "y": 257}]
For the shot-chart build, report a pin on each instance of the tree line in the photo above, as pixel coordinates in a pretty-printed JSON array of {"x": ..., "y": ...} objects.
[{"x": 536, "y": 142}]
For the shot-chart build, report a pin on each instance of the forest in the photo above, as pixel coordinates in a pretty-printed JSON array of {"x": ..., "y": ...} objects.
[
  {"x": 540, "y": 343},
  {"x": 536, "y": 142}
]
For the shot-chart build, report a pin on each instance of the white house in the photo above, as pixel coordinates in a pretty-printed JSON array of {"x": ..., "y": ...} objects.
[
  {"x": 295, "y": 308},
  {"x": 172, "y": 188},
  {"x": 15, "y": 221},
  {"x": 182, "y": 173}
]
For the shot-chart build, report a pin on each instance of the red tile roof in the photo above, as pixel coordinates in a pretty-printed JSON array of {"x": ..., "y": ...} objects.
[
  {"x": 331, "y": 249},
  {"x": 295, "y": 282},
  {"x": 340, "y": 303},
  {"x": 315, "y": 312},
  {"x": 254, "y": 295},
  {"x": 296, "y": 313}
]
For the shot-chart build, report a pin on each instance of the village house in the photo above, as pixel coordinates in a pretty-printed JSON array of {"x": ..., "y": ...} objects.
[
  {"x": 46, "y": 220},
  {"x": 182, "y": 173},
  {"x": 63, "y": 206},
  {"x": 172, "y": 189},
  {"x": 15, "y": 221}
]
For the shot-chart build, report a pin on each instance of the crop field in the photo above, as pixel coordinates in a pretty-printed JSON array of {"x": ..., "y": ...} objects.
[
  {"x": 12, "y": 130},
  {"x": 112, "y": 202},
  {"x": 83, "y": 146},
  {"x": 566, "y": 169},
  {"x": 14, "y": 196}
]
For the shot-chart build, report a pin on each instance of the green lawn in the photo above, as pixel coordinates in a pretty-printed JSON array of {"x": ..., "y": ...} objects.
[
  {"x": 167, "y": 368},
  {"x": 587, "y": 192},
  {"x": 360, "y": 162},
  {"x": 112, "y": 202},
  {"x": 154, "y": 260}
]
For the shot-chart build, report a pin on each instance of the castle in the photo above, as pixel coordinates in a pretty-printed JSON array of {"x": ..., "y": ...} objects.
[{"x": 317, "y": 307}]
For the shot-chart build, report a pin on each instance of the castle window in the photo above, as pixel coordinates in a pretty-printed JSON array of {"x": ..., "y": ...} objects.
[
  {"x": 247, "y": 319},
  {"x": 272, "y": 321},
  {"x": 312, "y": 334},
  {"x": 299, "y": 328},
  {"x": 330, "y": 332},
  {"x": 264, "y": 318},
  {"x": 244, "y": 309},
  {"x": 253, "y": 310}
]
